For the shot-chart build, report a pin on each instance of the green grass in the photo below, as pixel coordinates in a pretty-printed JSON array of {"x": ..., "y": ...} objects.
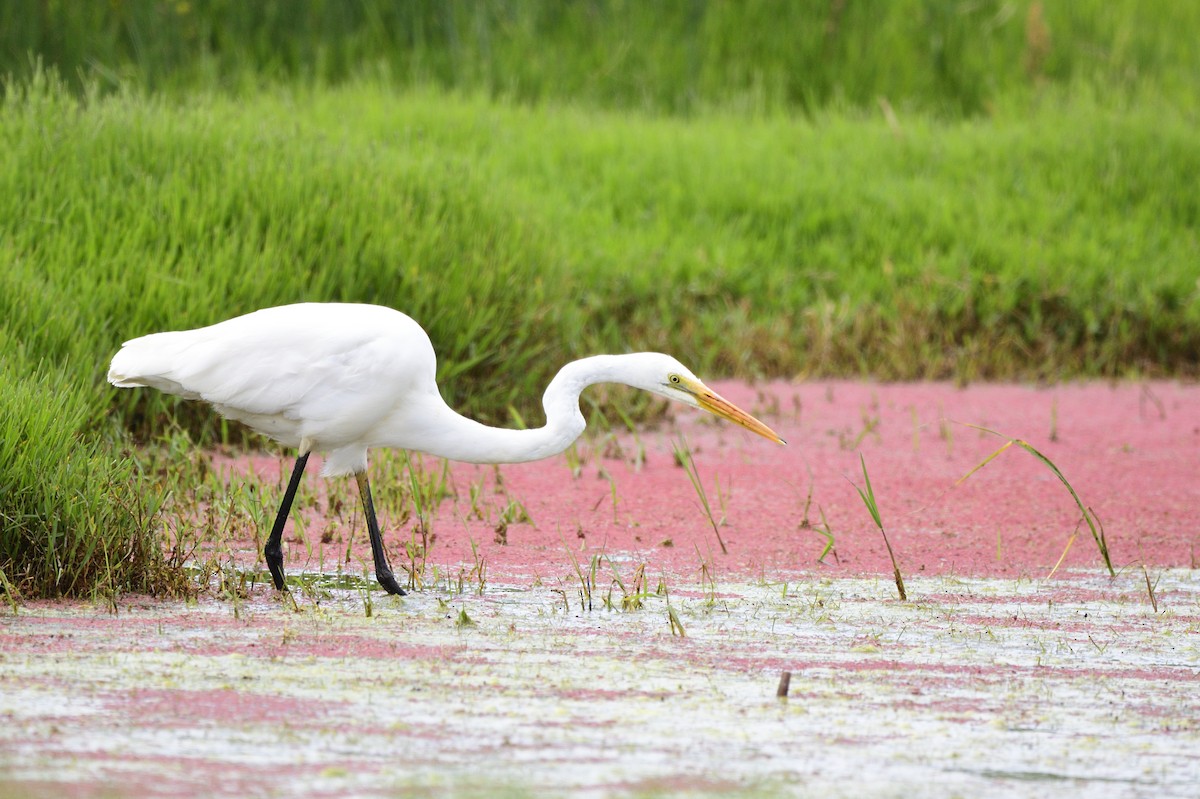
[
  {"x": 952, "y": 57},
  {"x": 1061, "y": 242},
  {"x": 1045, "y": 229},
  {"x": 72, "y": 517}
]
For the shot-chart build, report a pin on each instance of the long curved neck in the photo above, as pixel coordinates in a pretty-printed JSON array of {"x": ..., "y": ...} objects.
[{"x": 447, "y": 434}]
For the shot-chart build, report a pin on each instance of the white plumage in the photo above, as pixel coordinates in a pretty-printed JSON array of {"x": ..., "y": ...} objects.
[
  {"x": 318, "y": 377},
  {"x": 342, "y": 378}
]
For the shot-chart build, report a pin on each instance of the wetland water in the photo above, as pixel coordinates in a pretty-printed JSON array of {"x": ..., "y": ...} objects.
[
  {"x": 994, "y": 679},
  {"x": 979, "y": 687}
]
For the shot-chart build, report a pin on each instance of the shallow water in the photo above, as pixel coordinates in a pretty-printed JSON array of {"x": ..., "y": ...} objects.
[
  {"x": 1002, "y": 682},
  {"x": 975, "y": 687}
]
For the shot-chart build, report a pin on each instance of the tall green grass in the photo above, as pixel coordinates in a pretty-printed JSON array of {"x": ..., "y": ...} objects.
[
  {"x": 952, "y": 57},
  {"x": 1053, "y": 242},
  {"x": 72, "y": 519}
]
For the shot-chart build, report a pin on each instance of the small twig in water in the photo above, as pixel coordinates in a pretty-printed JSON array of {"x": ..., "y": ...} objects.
[{"x": 1150, "y": 588}]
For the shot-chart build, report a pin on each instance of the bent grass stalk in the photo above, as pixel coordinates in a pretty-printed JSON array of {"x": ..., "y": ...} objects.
[
  {"x": 683, "y": 456},
  {"x": 1089, "y": 516},
  {"x": 827, "y": 533},
  {"x": 868, "y": 498},
  {"x": 676, "y": 624},
  {"x": 672, "y": 617}
]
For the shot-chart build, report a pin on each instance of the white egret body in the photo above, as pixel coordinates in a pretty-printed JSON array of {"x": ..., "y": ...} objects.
[{"x": 340, "y": 378}]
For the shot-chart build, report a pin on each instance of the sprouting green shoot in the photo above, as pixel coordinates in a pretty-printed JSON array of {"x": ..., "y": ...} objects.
[
  {"x": 574, "y": 460},
  {"x": 633, "y": 596},
  {"x": 479, "y": 570},
  {"x": 427, "y": 488},
  {"x": 870, "y": 426},
  {"x": 683, "y": 456},
  {"x": 585, "y": 584},
  {"x": 868, "y": 498},
  {"x": 672, "y": 617},
  {"x": 639, "y": 456},
  {"x": 612, "y": 491},
  {"x": 827, "y": 532},
  {"x": 1089, "y": 516},
  {"x": 723, "y": 498},
  {"x": 368, "y": 603}
]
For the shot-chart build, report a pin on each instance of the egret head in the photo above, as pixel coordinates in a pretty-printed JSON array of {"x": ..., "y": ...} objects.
[{"x": 668, "y": 378}]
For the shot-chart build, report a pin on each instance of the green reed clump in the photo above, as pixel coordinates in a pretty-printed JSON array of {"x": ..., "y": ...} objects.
[{"x": 74, "y": 519}]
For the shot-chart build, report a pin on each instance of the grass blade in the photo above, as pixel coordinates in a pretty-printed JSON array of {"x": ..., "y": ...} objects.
[
  {"x": 868, "y": 498},
  {"x": 984, "y": 462},
  {"x": 1063, "y": 556},
  {"x": 1150, "y": 588},
  {"x": 1088, "y": 515},
  {"x": 683, "y": 455}
]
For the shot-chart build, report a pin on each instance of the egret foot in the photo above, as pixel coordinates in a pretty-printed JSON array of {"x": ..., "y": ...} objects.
[
  {"x": 388, "y": 581},
  {"x": 274, "y": 558},
  {"x": 383, "y": 571},
  {"x": 273, "y": 551}
]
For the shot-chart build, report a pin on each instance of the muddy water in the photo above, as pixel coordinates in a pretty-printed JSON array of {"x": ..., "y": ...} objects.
[{"x": 975, "y": 687}]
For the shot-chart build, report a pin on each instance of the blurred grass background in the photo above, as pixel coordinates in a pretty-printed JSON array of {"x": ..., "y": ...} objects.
[
  {"x": 898, "y": 190},
  {"x": 952, "y": 57}
]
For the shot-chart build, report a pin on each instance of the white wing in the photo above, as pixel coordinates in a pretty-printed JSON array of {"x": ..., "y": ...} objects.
[{"x": 324, "y": 371}]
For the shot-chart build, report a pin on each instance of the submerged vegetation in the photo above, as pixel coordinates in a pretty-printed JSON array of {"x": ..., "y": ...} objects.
[{"x": 901, "y": 190}]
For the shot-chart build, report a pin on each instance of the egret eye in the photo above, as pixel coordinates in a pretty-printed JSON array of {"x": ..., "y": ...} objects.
[{"x": 674, "y": 379}]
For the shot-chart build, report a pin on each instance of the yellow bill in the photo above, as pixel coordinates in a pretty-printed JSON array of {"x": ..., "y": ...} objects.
[{"x": 717, "y": 405}]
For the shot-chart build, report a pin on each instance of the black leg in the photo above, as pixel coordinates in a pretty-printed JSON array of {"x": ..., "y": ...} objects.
[
  {"x": 383, "y": 572},
  {"x": 273, "y": 551}
]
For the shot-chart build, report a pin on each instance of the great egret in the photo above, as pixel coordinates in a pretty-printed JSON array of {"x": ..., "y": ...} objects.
[{"x": 340, "y": 378}]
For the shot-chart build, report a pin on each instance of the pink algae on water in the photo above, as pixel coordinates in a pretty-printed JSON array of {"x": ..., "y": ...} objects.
[
  {"x": 1130, "y": 451},
  {"x": 507, "y": 674}
]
